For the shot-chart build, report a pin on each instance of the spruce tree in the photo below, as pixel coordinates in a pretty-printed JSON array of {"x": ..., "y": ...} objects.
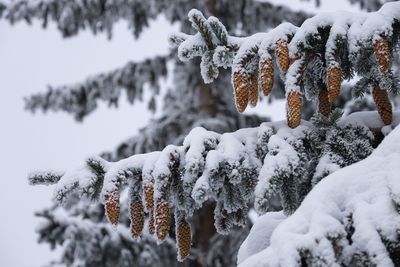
[
  {"x": 211, "y": 170},
  {"x": 189, "y": 103}
]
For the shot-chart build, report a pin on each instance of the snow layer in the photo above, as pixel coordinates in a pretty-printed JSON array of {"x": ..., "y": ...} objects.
[
  {"x": 260, "y": 234},
  {"x": 370, "y": 119},
  {"x": 366, "y": 192}
]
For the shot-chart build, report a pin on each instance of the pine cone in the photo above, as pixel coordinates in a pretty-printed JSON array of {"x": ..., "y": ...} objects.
[
  {"x": 266, "y": 71},
  {"x": 324, "y": 106},
  {"x": 253, "y": 90},
  {"x": 334, "y": 81},
  {"x": 112, "y": 207},
  {"x": 382, "y": 54},
  {"x": 183, "y": 240},
  {"x": 294, "y": 109},
  {"x": 137, "y": 218},
  {"x": 383, "y": 104},
  {"x": 241, "y": 87},
  {"x": 151, "y": 222},
  {"x": 282, "y": 54},
  {"x": 162, "y": 221},
  {"x": 148, "y": 197}
]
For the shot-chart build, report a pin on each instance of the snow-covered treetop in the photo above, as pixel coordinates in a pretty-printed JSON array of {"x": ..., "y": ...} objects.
[
  {"x": 236, "y": 170},
  {"x": 351, "y": 218},
  {"x": 313, "y": 57}
]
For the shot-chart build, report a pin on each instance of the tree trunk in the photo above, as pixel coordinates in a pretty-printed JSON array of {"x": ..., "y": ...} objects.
[{"x": 204, "y": 222}]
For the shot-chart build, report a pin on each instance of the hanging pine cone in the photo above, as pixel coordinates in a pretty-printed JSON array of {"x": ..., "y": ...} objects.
[
  {"x": 253, "y": 90},
  {"x": 294, "y": 109},
  {"x": 266, "y": 78},
  {"x": 137, "y": 218},
  {"x": 334, "y": 81},
  {"x": 324, "y": 106},
  {"x": 383, "y": 104},
  {"x": 151, "y": 222},
  {"x": 148, "y": 197},
  {"x": 112, "y": 207},
  {"x": 183, "y": 240},
  {"x": 282, "y": 54},
  {"x": 382, "y": 54},
  {"x": 241, "y": 88},
  {"x": 162, "y": 219}
]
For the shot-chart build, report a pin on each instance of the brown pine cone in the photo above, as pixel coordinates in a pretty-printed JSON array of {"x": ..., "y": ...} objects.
[
  {"x": 137, "y": 218},
  {"x": 151, "y": 222},
  {"x": 240, "y": 86},
  {"x": 382, "y": 54},
  {"x": 334, "y": 81},
  {"x": 324, "y": 106},
  {"x": 383, "y": 104},
  {"x": 266, "y": 78},
  {"x": 282, "y": 54},
  {"x": 294, "y": 109},
  {"x": 112, "y": 207},
  {"x": 253, "y": 90},
  {"x": 183, "y": 240},
  {"x": 148, "y": 196},
  {"x": 162, "y": 219}
]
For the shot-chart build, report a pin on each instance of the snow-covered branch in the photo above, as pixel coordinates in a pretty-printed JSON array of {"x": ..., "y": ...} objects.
[
  {"x": 351, "y": 218},
  {"x": 85, "y": 237},
  {"x": 73, "y": 16},
  {"x": 312, "y": 58},
  {"x": 81, "y": 99},
  {"x": 236, "y": 170}
]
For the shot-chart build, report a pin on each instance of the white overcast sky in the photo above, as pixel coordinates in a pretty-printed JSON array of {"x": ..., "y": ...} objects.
[{"x": 31, "y": 58}]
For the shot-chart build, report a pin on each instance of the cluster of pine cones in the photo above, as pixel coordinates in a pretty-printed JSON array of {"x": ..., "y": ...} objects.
[
  {"x": 246, "y": 89},
  {"x": 159, "y": 219}
]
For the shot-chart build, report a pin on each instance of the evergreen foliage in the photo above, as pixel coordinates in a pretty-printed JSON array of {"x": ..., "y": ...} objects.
[
  {"x": 312, "y": 58},
  {"x": 217, "y": 169},
  {"x": 351, "y": 218},
  {"x": 85, "y": 236},
  {"x": 234, "y": 170},
  {"x": 189, "y": 103},
  {"x": 81, "y": 99}
]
